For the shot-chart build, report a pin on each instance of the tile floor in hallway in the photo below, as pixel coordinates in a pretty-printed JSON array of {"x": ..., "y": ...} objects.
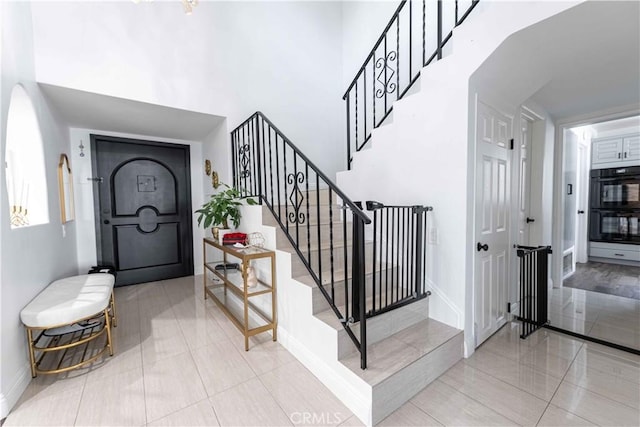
[
  {"x": 179, "y": 361},
  {"x": 607, "y": 317}
]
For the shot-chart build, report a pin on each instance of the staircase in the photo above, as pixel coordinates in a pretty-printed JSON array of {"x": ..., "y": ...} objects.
[
  {"x": 352, "y": 300},
  {"x": 333, "y": 267}
]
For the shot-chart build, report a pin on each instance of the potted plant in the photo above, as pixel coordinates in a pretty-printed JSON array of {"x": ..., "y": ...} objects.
[{"x": 223, "y": 207}]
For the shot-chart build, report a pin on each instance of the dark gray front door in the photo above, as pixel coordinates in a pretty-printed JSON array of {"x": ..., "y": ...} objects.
[{"x": 143, "y": 208}]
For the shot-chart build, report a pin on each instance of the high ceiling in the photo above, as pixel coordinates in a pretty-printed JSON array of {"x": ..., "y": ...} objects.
[
  {"x": 101, "y": 112},
  {"x": 581, "y": 61}
]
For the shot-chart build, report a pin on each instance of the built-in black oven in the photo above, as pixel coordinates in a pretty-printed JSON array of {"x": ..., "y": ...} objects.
[
  {"x": 615, "y": 188},
  {"x": 620, "y": 226}
]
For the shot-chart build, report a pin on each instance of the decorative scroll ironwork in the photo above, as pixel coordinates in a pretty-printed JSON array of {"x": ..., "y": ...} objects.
[
  {"x": 296, "y": 198},
  {"x": 386, "y": 79},
  {"x": 245, "y": 160}
]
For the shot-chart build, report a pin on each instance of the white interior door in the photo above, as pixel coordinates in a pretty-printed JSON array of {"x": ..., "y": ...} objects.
[{"x": 493, "y": 134}]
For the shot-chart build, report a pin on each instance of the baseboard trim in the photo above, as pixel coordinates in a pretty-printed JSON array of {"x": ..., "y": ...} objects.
[
  {"x": 9, "y": 399},
  {"x": 438, "y": 293},
  {"x": 344, "y": 391}
]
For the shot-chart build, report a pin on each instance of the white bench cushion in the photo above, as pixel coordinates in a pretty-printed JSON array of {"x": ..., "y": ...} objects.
[{"x": 68, "y": 300}]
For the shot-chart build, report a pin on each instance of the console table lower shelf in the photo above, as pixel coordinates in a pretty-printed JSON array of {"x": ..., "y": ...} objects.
[{"x": 234, "y": 297}]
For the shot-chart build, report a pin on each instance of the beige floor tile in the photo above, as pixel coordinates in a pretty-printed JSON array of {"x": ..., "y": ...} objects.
[
  {"x": 408, "y": 415},
  {"x": 126, "y": 356},
  {"x": 618, "y": 335},
  {"x": 554, "y": 417},
  {"x": 452, "y": 408},
  {"x": 199, "y": 414},
  {"x": 267, "y": 356},
  {"x": 161, "y": 338},
  {"x": 525, "y": 377},
  {"x": 352, "y": 421},
  {"x": 303, "y": 397},
  {"x": 426, "y": 335},
  {"x": 614, "y": 362},
  {"x": 221, "y": 366},
  {"x": 47, "y": 385},
  {"x": 248, "y": 404},
  {"x": 614, "y": 387},
  {"x": 114, "y": 400},
  {"x": 509, "y": 401},
  {"x": 47, "y": 409},
  {"x": 548, "y": 363},
  {"x": 579, "y": 326},
  {"x": 594, "y": 407},
  {"x": 170, "y": 385}
]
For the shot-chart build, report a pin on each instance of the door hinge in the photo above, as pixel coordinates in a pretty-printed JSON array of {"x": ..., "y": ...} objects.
[
  {"x": 511, "y": 144},
  {"x": 508, "y": 307}
]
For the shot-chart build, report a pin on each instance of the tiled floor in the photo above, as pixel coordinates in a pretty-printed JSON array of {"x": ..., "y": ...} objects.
[
  {"x": 608, "y": 317},
  {"x": 179, "y": 361}
]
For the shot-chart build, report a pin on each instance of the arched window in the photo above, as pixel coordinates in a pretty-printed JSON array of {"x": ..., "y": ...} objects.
[{"x": 25, "y": 170}]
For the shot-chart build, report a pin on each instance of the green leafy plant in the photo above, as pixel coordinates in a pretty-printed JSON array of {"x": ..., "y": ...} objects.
[{"x": 222, "y": 207}]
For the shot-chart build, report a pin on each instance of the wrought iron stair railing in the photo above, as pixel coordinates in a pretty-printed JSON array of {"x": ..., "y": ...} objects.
[
  {"x": 328, "y": 230},
  {"x": 414, "y": 37}
]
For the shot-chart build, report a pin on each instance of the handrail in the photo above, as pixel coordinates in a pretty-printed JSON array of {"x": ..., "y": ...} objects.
[
  {"x": 394, "y": 63},
  {"x": 332, "y": 185},
  {"x": 267, "y": 165}
]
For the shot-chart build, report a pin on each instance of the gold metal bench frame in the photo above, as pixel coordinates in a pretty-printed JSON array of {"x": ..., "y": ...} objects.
[{"x": 109, "y": 315}]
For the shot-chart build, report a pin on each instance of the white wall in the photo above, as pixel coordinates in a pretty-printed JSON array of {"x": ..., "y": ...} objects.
[
  {"x": 34, "y": 256},
  {"x": 362, "y": 24},
  {"x": 84, "y": 189},
  {"x": 427, "y": 155},
  {"x": 228, "y": 59}
]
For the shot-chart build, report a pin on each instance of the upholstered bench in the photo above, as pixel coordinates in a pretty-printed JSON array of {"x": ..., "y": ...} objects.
[{"x": 69, "y": 313}]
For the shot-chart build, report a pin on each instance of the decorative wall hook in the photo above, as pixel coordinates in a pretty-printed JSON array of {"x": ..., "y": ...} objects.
[{"x": 81, "y": 147}]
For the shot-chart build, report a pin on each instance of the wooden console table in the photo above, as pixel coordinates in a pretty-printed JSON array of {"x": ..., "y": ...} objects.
[{"x": 233, "y": 295}]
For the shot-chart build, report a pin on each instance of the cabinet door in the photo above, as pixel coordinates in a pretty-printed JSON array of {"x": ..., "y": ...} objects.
[
  {"x": 606, "y": 151},
  {"x": 631, "y": 148}
]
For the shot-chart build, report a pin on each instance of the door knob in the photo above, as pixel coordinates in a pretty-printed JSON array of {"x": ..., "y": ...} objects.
[
  {"x": 580, "y": 211},
  {"x": 530, "y": 220},
  {"x": 106, "y": 221},
  {"x": 482, "y": 247}
]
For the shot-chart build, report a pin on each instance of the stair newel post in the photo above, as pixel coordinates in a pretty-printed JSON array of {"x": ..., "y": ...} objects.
[
  {"x": 259, "y": 163},
  {"x": 358, "y": 297}
]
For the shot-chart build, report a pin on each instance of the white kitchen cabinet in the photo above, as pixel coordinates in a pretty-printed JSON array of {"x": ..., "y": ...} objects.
[{"x": 612, "y": 152}]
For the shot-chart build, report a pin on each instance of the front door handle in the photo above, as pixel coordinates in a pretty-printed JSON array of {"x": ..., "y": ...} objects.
[
  {"x": 530, "y": 220},
  {"x": 580, "y": 212},
  {"x": 482, "y": 247}
]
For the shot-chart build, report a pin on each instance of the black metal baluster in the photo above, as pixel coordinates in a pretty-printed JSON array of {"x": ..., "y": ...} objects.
[
  {"x": 398, "y": 57},
  {"x": 456, "y": 14},
  {"x": 388, "y": 274},
  {"x": 348, "y": 130},
  {"x": 439, "y": 30},
  {"x": 331, "y": 248},
  {"x": 286, "y": 191},
  {"x": 424, "y": 34},
  {"x": 279, "y": 178},
  {"x": 373, "y": 88},
  {"x": 272, "y": 201},
  {"x": 410, "y": 44},
  {"x": 308, "y": 217},
  {"x": 258, "y": 142},
  {"x": 263, "y": 175},
  {"x": 233, "y": 160},
  {"x": 386, "y": 109},
  {"x": 356, "y": 114},
  {"x": 364, "y": 96},
  {"x": 346, "y": 255},
  {"x": 319, "y": 232},
  {"x": 373, "y": 283}
]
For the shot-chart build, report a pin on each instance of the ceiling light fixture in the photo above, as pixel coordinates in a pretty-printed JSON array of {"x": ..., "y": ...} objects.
[{"x": 188, "y": 6}]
